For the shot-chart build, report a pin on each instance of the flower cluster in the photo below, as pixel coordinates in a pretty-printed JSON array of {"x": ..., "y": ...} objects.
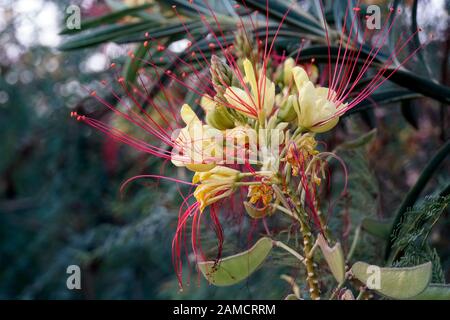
[
  {"x": 275, "y": 121},
  {"x": 258, "y": 135},
  {"x": 252, "y": 132}
]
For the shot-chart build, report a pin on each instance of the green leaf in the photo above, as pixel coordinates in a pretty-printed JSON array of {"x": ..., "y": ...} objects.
[
  {"x": 363, "y": 140},
  {"x": 132, "y": 66},
  {"x": 117, "y": 32},
  {"x": 231, "y": 270},
  {"x": 414, "y": 193},
  {"x": 334, "y": 257},
  {"x": 401, "y": 77},
  {"x": 411, "y": 113},
  {"x": 384, "y": 98},
  {"x": 395, "y": 283},
  {"x": 104, "y": 34},
  {"x": 422, "y": 85},
  {"x": 369, "y": 117},
  {"x": 415, "y": 254},
  {"x": 380, "y": 229},
  {"x": 320, "y": 54},
  {"x": 435, "y": 292},
  {"x": 106, "y": 19},
  {"x": 297, "y": 17},
  {"x": 343, "y": 13}
]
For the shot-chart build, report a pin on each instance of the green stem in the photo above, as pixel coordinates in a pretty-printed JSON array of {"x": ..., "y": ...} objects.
[
  {"x": 354, "y": 243},
  {"x": 287, "y": 212},
  {"x": 311, "y": 278},
  {"x": 313, "y": 283},
  {"x": 281, "y": 245}
]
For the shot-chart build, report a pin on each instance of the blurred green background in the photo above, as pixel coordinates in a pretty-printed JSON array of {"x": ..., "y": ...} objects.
[{"x": 59, "y": 180}]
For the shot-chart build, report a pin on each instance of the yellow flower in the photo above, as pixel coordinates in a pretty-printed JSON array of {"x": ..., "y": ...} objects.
[
  {"x": 301, "y": 151},
  {"x": 214, "y": 185},
  {"x": 257, "y": 101},
  {"x": 261, "y": 192},
  {"x": 315, "y": 108},
  {"x": 195, "y": 146}
]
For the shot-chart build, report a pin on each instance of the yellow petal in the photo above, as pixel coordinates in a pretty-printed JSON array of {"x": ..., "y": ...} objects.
[
  {"x": 199, "y": 167},
  {"x": 188, "y": 115},
  {"x": 288, "y": 67},
  {"x": 208, "y": 104},
  {"x": 327, "y": 126},
  {"x": 251, "y": 77},
  {"x": 240, "y": 100},
  {"x": 177, "y": 163},
  {"x": 300, "y": 77},
  {"x": 225, "y": 171},
  {"x": 268, "y": 95},
  {"x": 307, "y": 104}
]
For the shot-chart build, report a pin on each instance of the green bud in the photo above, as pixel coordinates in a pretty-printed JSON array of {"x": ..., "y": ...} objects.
[
  {"x": 245, "y": 46},
  {"x": 283, "y": 74},
  {"x": 287, "y": 111},
  {"x": 220, "y": 118},
  {"x": 222, "y": 75},
  {"x": 288, "y": 65}
]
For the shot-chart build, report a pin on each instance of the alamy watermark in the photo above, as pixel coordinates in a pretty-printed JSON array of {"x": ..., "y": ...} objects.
[
  {"x": 73, "y": 281},
  {"x": 373, "y": 17},
  {"x": 374, "y": 280},
  {"x": 241, "y": 146},
  {"x": 73, "y": 20}
]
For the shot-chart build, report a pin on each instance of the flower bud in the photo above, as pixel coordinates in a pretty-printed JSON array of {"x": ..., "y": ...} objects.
[
  {"x": 288, "y": 66},
  {"x": 217, "y": 115},
  {"x": 287, "y": 111},
  {"x": 245, "y": 46},
  {"x": 214, "y": 185},
  {"x": 222, "y": 75}
]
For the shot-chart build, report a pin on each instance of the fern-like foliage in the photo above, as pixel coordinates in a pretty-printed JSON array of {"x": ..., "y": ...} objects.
[
  {"x": 414, "y": 256},
  {"x": 410, "y": 245}
]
